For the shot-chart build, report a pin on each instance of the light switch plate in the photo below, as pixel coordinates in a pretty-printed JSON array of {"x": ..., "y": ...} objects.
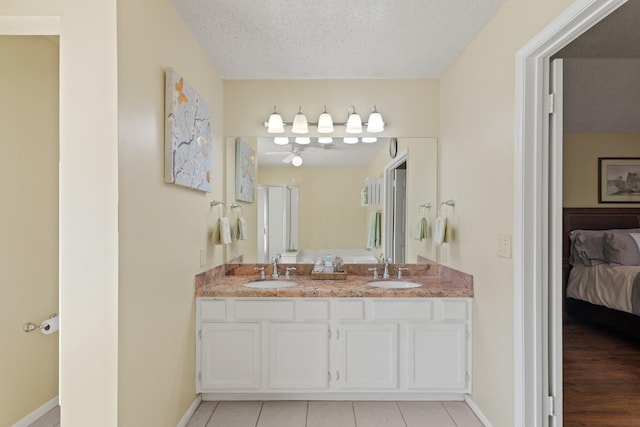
[{"x": 504, "y": 245}]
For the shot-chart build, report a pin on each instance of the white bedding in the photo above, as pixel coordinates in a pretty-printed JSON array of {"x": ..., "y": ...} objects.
[
  {"x": 609, "y": 286},
  {"x": 349, "y": 256}
]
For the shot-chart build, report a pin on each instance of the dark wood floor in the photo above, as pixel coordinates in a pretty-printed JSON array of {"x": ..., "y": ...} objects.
[{"x": 601, "y": 378}]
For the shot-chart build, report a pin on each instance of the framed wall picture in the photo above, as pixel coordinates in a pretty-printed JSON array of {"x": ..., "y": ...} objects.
[
  {"x": 245, "y": 171},
  {"x": 188, "y": 135},
  {"x": 618, "y": 180}
]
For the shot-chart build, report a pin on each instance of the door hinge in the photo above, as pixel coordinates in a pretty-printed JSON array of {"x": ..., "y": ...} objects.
[
  {"x": 329, "y": 333},
  {"x": 551, "y": 102},
  {"x": 200, "y": 333},
  {"x": 329, "y": 375},
  {"x": 550, "y": 406},
  {"x": 200, "y": 376},
  {"x": 467, "y": 377}
]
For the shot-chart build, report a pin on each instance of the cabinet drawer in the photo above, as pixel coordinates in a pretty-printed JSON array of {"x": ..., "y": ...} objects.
[
  {"x": 264, "y": 310},
  {"x": 405, "y": 309},
  {"x": 456, "y": 309},
  {"x": 313, "y": 309},
  {"x": 213, "y": 310},
  {"x": 350, "y": 310}
]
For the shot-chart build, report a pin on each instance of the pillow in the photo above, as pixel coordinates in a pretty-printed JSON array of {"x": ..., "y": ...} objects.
[
  {"x": 587, "y": 247},
  {"x": 622, "y": 248}
]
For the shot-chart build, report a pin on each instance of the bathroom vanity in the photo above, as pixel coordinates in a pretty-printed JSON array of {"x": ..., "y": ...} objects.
[{"x": 334, "y": 339}]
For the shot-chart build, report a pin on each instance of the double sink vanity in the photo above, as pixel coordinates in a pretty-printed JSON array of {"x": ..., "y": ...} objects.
[{"x": 357, "y": 338}]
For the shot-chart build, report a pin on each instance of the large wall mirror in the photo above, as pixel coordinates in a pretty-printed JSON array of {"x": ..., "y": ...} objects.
[{"x": 357, "y": 201}]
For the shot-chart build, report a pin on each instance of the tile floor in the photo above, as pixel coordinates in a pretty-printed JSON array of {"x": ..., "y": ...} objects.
[
  {"x": 333, "y": 414},
  {"x": 319, "y": 414}
]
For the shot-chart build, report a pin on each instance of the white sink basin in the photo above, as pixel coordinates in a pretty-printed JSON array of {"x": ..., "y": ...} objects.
[
  {"x": 394, "y": 284},
  {"x": 270, "y": 284}
]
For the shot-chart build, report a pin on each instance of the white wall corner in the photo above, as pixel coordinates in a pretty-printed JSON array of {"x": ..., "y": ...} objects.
[
  {"x": 476, "y": 410},
  {"x": 33, "y": 416},
  {"x": 192, "y": 410}
]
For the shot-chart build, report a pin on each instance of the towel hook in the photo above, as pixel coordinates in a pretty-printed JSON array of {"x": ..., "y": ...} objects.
[{"x": 449, "y": 202}]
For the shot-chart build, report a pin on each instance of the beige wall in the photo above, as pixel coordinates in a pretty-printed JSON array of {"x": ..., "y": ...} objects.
[
  {"x": 247, "y": 248},
  {"x": 330, "y": 211},
  {"x": 28, "y": 223},
  {"x": 580, "y": 164},
  {"x": 476, "y": 169},
  {"x": 163, "y": 227}
]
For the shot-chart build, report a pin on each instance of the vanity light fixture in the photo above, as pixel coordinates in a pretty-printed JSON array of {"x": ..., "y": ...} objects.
[
  {"x": 354, "y": 123},
  {"x": 375, "y": 123},
  {"x": 275, "y": 124},
  {"x": 350, "y": 139},
  {"x": 281, "y": 140},
  {"x": 325, "y": 124},
  {"x": 302, "y": 140},
  {"x": 296, "y": 161},
  {"x": 300, "y": 124},
  {"x": 369, "y": 139},
  {"x": 325, "y": 140}
]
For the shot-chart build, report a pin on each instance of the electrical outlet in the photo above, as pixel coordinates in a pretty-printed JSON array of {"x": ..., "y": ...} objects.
[
  {"x": 203, "y": 257},
  {"x": 504, "y": 245}
]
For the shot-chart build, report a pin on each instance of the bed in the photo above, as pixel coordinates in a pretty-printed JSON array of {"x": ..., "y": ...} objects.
[{"x": 601, "y": 267}]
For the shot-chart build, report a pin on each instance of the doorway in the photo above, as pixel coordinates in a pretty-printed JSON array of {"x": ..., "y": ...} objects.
[
  {"x": 29, "y": 224},
  {"x": 395, "y": 208},
  {"x": 538, "y": 385}
]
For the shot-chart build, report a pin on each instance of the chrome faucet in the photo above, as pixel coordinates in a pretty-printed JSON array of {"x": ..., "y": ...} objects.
[
  {"x": 287, "y": 271},
  {"x": 400, "y": 270},
  {"x": 274, "y": 261},
  {"x": 261, "y": 270},
  {"x": 385, "y": 275},
  {"x": 375, "y": 272}
]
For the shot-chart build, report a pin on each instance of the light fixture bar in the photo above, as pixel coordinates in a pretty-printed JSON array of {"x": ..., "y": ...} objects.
[{"x": 266, "y": 124}]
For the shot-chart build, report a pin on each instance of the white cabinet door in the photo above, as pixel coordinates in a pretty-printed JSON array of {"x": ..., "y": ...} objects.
[
  {"x": 298, "y": 355},
  {"x": 230, "y": 356},
  {"x": 437, "y": 357},
  {"x": 369, "y": 356}
]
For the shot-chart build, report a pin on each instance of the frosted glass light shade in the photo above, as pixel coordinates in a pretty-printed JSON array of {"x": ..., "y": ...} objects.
[
  {"x": 281, "y": 140},
  {"x": 350, "y": 140},
  {"x": 296, "y": 161},
  {"x": 354, "y": 123},
  {"x": 375, "y": 123},
  {"x": 325, "y": 140},
  {"x": 300, "y": 124},
  {"x": 325, "y": 123},
  {"x": 275, "y": 123},
  {"x": 369, "y": 139},
  {"x": 303, "y": 140}
]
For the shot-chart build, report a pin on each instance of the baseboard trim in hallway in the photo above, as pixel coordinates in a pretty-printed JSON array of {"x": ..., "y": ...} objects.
[
  {"x": 192, "y": 410},
  {"x": 476, "y": 410},
  {"x": 35, "y": 415}
]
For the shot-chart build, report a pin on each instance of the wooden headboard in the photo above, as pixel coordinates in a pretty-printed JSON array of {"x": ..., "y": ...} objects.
[{"x": 593, "y": 219}]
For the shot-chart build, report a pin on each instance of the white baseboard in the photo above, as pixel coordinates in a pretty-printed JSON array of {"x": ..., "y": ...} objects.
[
  {"x": 192, "y": 410},
  {"x": 32, "y": 417},
  {"x": 476, "y": 410}
]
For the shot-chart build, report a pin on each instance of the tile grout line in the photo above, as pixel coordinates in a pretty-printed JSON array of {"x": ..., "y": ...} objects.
[
  {"x": 353, "y": 409},
  {"x": 259, "y": 413},
  {"x": 402, "y": 414},
  {"x": 211, "y": 414},
  {"x": 449, "y": 413}
]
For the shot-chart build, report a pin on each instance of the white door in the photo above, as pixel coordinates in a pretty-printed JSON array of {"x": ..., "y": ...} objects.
[
  {"x": 368, "y": 356},
  {"x": 437, "y": 357},
  {"x": 552, "y": 331},
  {"x": 299, "y": 356},
  {"x": 230, "y": 356}
]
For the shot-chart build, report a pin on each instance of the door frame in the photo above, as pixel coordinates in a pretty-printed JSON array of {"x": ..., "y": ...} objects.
[
  {"x": 532, "y": 201},
  {"x": 388, "y": 200}
]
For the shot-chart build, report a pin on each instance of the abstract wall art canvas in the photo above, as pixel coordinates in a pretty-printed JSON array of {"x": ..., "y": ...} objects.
[
  {"x": 188, "y": 135},
  {"x": 245, "y": 171}
]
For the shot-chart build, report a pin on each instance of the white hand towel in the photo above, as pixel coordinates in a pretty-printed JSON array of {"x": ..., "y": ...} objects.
[
  {"x": 417, "y": 230},
  {"x": 440, "y": 230},
  {"x": 225, "y": 230},
  {"x": 371, "y": 235}
]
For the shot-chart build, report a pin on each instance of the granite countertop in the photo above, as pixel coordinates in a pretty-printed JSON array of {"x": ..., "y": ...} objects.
[{"x": 437, "y": 281}]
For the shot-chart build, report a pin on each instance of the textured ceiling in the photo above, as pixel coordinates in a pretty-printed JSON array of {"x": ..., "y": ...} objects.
[{"x": 331, "y": 39}]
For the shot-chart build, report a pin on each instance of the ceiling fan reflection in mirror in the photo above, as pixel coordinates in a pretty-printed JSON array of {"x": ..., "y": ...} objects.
[{"x": 294, "y": 157}]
